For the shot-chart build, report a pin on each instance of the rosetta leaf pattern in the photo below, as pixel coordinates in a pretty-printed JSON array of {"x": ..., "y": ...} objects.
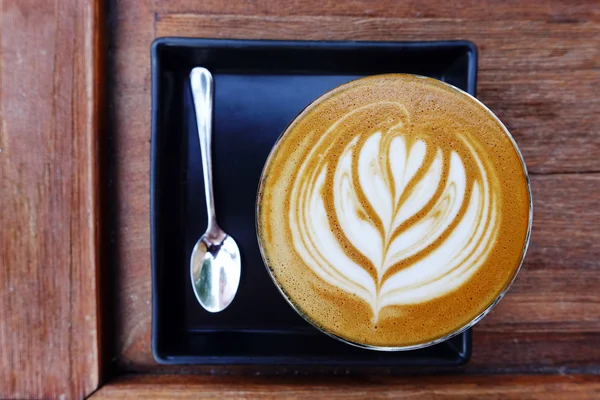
[{"x": 388, "y": 214}]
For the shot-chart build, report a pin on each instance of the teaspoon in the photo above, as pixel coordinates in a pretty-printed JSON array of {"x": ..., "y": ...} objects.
[{"x": 215, "y": 262}]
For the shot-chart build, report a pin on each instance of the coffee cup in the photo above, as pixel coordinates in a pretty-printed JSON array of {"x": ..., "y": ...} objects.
[{"x": 394, "y": 212}]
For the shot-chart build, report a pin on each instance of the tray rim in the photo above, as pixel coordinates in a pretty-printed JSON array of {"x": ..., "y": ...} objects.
[{"x": 333, "y": 45}]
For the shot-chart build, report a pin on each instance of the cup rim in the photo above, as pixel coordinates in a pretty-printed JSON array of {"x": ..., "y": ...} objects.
[{"x": 450, "y": 335}]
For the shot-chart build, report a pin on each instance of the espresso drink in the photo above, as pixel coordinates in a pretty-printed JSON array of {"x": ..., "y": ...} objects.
[{"x": 393, "y": 211}]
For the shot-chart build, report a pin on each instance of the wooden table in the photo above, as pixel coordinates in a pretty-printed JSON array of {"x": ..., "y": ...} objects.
[{"x": 75, "y": 285}]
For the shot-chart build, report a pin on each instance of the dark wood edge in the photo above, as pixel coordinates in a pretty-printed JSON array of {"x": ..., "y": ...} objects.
[
  {"x": 98, "y": 130},
  {"x": 93, "y": 107},
  {"x": 452, "y": 386}
]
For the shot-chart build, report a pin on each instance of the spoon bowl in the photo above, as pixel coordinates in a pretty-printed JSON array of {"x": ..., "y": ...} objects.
[{"x": 215, "y": 264}]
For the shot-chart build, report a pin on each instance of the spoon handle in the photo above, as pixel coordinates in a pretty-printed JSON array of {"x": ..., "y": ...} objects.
[{"x": 202, "y": 92}]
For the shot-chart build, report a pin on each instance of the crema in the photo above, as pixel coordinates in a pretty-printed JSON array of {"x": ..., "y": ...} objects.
[{"x": 393, "y": 211}]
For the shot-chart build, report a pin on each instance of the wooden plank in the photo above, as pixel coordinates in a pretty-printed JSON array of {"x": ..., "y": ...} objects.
[
  {"x": 522, "y": 70},
  {"x": 129, "y": 114},
  {"x": 506, "y": 35},
  {"x": 539, "y": 67},
  {"x": 493, "y": 353},
  {"x": 490, "y": 10},
  {"x": 543, "y": 351},
  {"x": 569, "y": 387},
  {"x": 550, "y": 319},
  {"x": 50, "y": 114}
]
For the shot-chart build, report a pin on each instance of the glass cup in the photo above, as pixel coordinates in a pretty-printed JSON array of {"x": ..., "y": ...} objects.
[{"x": 455, "y": 332}]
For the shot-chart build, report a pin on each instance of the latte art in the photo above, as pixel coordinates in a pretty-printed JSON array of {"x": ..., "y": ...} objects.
[
  {"x": 394, "y": 211},
  {"x": 389, "y": 217}
]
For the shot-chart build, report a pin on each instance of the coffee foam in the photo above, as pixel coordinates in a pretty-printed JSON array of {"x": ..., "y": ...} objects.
[{"x": 383, "y": 199}]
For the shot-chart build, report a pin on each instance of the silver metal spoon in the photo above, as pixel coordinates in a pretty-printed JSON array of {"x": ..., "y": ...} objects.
[{"x": 215, "y": 263}]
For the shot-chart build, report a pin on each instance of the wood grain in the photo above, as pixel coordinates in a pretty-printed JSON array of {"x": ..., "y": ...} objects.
[
  {"x": 549, "y": 321},
  {"x": 521, "y": 70},
  {"x": 488, "y": 10},
  {"x": 447, "y": 387},
  {"x": 539, "y": 71},
  {"x": 50, "y": 97}
]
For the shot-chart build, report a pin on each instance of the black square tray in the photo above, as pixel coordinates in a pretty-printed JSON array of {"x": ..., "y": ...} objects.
[{"x": 260, "y": 86}]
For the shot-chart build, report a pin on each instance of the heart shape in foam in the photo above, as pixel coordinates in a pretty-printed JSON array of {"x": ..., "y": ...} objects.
[{"x": 393, "y": 218}]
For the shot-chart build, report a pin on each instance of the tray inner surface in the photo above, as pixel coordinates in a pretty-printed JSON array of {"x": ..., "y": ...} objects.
[{"x": 258, "y": 91}]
